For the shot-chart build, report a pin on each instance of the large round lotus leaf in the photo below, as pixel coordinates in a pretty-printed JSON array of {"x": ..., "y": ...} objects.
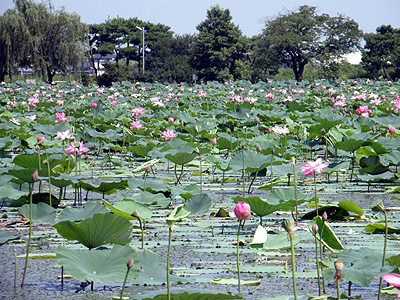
[
  {"x": 80, "y": 213},
  {"x": 5, "y": 236},
  {"x": 40, "y": 212},
  {"x": 198, "y": 204},
  {"x": 104, "y": 266},
  {"x": 187, "y": 294},
  {"x": 99, "y": 230},
  {"x": 253, "y": 162},
  {"x": 129, "y": 209}
]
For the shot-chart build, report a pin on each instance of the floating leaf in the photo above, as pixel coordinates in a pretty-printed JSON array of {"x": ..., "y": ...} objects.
[
  {"x": 40, "y": 212},
  {"x": 180, "y": 294},
  {"x": 104, "y": 266},
  {"x": 234, "y": 281},
  {"x": 99, "y": 230},
  {"x": 380, "y": 228},
  {"x": 278, "y": 241},
  {"x": 198, "y": 204},
  {"x": 80, "y": 213},
  {"x": 5, "y": 236},
  {"x": 129, "y": 209},
  {"x": 351, "y": 206}
]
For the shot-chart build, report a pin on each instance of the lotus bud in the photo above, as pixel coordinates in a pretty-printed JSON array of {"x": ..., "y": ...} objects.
[
  {"x": 130, "y": 263},
  {"x": 35, "y": 176},
  {"x": 40, "y": 139},
  {"x": 288, "y": 225},
  {"x": 214, "y": 141},
  {"x": 315, "y": 228},
  {"x": 269, "y": 130},
  {"x": 94, "y": 105},
  {"x": 373, "y": 129},
  {"x": 293, "y": 161},
  {"x": 37, "y": 148},
  {"x": 325, "y": 216},
  {"x": 242, "y": 211},
  {"x": 256, "y": 119},
  {"x": 392, "y": 130},
  {"x": 338, "y": 268},
  {"x": 258, "y": 148},
  {"x": 273, "y": 150},
  {"x": 148, "y": 169},
  {"x": 171, "y": 120}
]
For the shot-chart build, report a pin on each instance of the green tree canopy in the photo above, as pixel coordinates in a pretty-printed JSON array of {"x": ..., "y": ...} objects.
[
  {"x": 169, "y": 59},
  {"x": 219, "y": 48},
  {"x": 301, "y": 36},
  {"x": 381, "y": 55},
  {"x": 53, "y": 40}
]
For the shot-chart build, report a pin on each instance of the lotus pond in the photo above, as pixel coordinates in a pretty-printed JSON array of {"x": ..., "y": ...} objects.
[{"x": 153, "y": 172}]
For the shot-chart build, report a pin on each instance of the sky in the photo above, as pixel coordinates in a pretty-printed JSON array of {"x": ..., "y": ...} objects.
[{"x": 184, "y": 15}]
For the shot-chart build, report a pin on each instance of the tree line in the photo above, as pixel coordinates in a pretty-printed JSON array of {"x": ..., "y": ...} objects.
[{"x": 57, "y": 42}]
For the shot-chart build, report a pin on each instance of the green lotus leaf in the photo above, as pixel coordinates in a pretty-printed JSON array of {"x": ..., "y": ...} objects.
[
  {"x": 198, "y": 204},
  {"x": 253, "y": 162},
  {"x": 329, "y": 238},
  {"x": 152, "y": 270},
  {"x": 351, "y": 145},
  {"x": 8, "y": 192},
  {"x": 263, "y": 208},
  {"x": 41, "y": 212},
  {"x": 181, "y": 158},
  {"x": 361, "y": 266},
  {"x": 79, "y": 213},
  {"x": 147, "y": 198},
  {"x": 104, "y": 266},
  {"x": 99, "y": 230},
  {"x": 129, "y": 209},
  {"x": 187, "y": 294},
  {"x": 5, "y": 236},
  {"x": 351, "y": 207},
  {"x": 177, "y": 215},
  {"x": 105, "y": 187},
  {"x": 380, "y": 228}
]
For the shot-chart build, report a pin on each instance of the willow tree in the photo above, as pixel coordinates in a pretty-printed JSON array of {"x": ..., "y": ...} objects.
[
  {"x": 13, "y": 46},
  {"x": 54, "y": 39},
  {"x": 304, "y": 35}
]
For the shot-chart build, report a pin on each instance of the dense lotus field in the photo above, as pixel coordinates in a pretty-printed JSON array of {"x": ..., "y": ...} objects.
[{"x": 162, "y": 174}]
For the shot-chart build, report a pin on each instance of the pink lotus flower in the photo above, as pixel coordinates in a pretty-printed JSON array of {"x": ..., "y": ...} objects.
[
  {"x": 66, "y": 135},
  {"x": 113, "y": 103},
  {"x": 77, "y": 147},
  {"x": 171, "y": 120},
  {"x": 315, "y": 166},
  {"x": 242, "y": 211},
  {"x": 278, "y": 130},
  {"x": 392, "y": 130},
  {"x": 94, "y": 105},
  {"x": 137, "y": 111},
  {"x": 169, "y": 134},
  {"x": 394, "y": 280},
  {"x": 40, "y": 138},
  {"x": 136, "y": 125},
  {"x": 61, "y": 117}
]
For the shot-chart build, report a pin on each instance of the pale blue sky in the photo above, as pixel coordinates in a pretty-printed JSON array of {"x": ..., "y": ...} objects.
[{"x": 183, "y": 15}]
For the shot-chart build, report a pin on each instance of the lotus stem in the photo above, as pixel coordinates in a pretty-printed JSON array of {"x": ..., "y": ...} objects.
[
  {"x": 252, "y": 182},
  {"x": 295, "y": 188},
  {"x": 291, "y": 237},
  {"x": 126, "y": 278},
  {"x": 272, "y": 174},
  {"x": 338, "y": 290},
  {"x": 237, "y": 255},
  {"x": 243, "y": 175},
  {"x": 141, "y": 228},
  {"x": 321, "y": 252},
  {"x": 48, "y": 172},
  {"x": 30, "y": 233},
  {"x": 317, "y": 262},
  {"x": 15, "y": 268},
  {"x": 168, "y": 261},
  {"x": 384, "y": 252},
  {"x": 315, "y": 192}
]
